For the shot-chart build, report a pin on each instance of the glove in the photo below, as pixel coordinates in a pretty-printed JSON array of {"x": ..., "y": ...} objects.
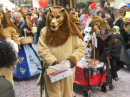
[{"x": 72, "y": 65}]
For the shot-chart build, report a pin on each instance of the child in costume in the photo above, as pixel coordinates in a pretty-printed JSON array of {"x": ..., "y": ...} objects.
[
  {"x": 34, "y": 31},
  {"x": 8, "y": 58}
]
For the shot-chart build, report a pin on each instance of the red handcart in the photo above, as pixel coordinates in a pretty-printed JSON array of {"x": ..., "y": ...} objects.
[{"x": 94, "y": 77}]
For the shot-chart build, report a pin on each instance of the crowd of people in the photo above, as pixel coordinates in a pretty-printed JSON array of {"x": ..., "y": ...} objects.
[{"x": 33, "y": 22}]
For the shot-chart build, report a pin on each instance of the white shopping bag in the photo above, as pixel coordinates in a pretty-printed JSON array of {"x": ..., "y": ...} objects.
[{"x": 59, "y": 71}]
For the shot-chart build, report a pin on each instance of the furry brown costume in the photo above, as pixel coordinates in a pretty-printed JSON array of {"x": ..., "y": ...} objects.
[
  {"x": 29, "y": 23},
  {"x": 75, "y": 19},
  {"x": 6, "y": 22},
  {"x": 8, "y": 14},
  {"x": 96, "y": 23},
  {"x": 57, "y": 38},
  {"x": 8, "y": 29},
  {"x": 23, "y": 12},
  {"x": 60, "y": 40}
]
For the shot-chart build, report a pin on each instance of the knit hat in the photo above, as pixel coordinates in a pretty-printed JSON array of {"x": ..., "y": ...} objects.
[{"x": 92, "y": 4}]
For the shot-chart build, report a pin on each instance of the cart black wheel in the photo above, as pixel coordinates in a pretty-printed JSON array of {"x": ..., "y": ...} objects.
[
  {"x": 111, "y": 87},
  {"x": 103, "y": 88},
  {"x": 85, "y": 93}
]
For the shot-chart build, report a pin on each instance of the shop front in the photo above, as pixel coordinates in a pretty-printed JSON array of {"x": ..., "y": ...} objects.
[{"x": 74, "y": 3}]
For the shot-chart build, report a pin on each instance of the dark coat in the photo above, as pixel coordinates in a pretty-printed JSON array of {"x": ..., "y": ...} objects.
[
  {"x": 118, "y": 36},
  {"x": 120, "y": 23},
  {"x": 21, "y": 28},
  {"x": 41, "y": 24},
  {"x": 114, "y": 49},
  {"x": 6, "y": 88}
]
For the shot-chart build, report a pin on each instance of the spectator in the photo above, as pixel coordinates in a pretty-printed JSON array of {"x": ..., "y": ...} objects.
[
  {"x": 69, "y": 10},
  {"x": 99, "y": 8},
  {"x": 82, "y": 16},
  {"x": 40, "y": 8},
  {"x": 126, "y": 21},
  {"x": 67, "y": 6},
  {"x": 107, "y": 8},
  {"x": 34, "y": 31},
  {"x": 42, "y": 23},
  {"x": 98, "y": 5},
  {"x": 122, "y": 5},
  {"x": 102, "y": 14},
  {"x": 40, "y": 16},
  {"x": 91, "y": 8},
  {"x": 109, "y": 19},
  {"x": 119, "y": 22},
  {"x": 88, "y": 18}
]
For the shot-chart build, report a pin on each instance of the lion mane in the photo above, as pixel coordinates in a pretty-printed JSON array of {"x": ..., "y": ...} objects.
[
  {"x": 29, "y": 23},
  {"x": 97, "y": 22},
  {"x": 23, "y": 12},
  {"x": 6, "y": 22},
  {"x": 75, "y": 19},
  {"x": 60, "y": 36},
  {"x": 8, "y": 14}
]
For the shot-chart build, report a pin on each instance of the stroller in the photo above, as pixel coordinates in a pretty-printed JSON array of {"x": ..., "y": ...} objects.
[{"x": 89, "y": 77}]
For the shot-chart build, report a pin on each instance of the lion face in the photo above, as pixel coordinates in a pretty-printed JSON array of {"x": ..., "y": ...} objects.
[
  {"x": 95, "y": 22},
  {"x": 56, "y": 17},
  {"x": 1, "y": 14},
  {"x": 74, "y": 17}
]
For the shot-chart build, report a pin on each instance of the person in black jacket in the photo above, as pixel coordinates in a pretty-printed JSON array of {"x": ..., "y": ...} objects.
[
  {"x": 109, "y": 19},
  {"x": 41, "y": 24},
  {"x": 109, "y": 45},
  {"x": 119, "y": 22}
]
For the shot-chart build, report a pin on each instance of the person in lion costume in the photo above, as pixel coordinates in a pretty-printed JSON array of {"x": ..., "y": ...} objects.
[
  {"x": 8, "y": 31},
  {"x": 75, "y": 19},
  {"x": 29, "y": 22},
  {"x": 23, "y": 12},
  {"x": 60, "y": 40},
  {"x": 96, "y": 23}
]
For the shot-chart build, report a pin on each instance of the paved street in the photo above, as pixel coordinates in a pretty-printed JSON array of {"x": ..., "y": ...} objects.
[{"x": 122, "y": 88}]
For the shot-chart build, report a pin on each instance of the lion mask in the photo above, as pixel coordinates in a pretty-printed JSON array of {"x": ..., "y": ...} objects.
[
  {"x": 97, "y": 22},
  {"x": 23, "y": 12},
  {"x": 5, "y": 21},
  {"x": 75, "y": 19},
  {"x": 59, "y": 27}
]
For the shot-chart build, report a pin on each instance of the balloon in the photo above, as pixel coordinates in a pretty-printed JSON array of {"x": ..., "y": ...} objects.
[{"x": 43, "y": 3}]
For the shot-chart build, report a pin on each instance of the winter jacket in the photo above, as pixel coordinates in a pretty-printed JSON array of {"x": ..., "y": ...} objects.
[{"x": 6, "y": 88}]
